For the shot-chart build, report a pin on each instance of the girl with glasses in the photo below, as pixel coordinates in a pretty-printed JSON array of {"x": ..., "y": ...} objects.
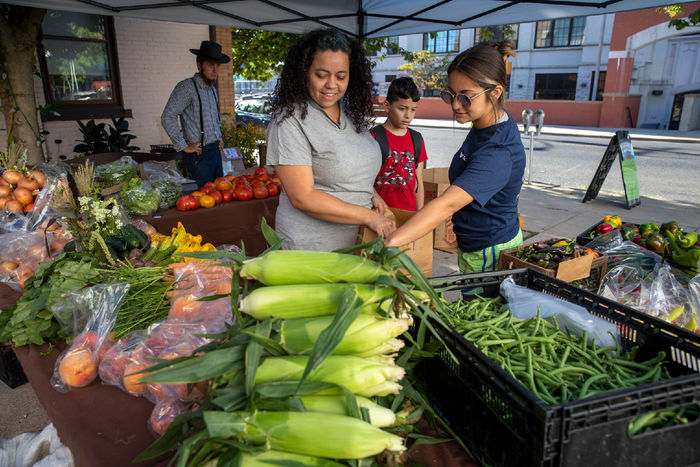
[{"x": 486, "y": 173}]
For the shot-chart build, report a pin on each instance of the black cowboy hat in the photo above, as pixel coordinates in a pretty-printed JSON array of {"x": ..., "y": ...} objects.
[{"x": 211, "y": 51}]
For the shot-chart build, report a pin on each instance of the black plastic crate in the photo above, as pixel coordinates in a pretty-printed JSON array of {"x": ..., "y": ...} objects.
[
  {"x": 503, "y": 423},
  {"x": 11, "y": 372}
]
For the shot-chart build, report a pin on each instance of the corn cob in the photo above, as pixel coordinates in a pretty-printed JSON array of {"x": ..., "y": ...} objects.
[
  {"x": 390, "y": 346},
  {"x": 308, "y": 433},
  {"x": 283, "y": 267},
  {"x": 364, "y": 334},
  {"x": 359, "y": 375},
  {"x": 307, "y": 300},
  {"x": 271, "y": 458},
  {"x": 379, "y": 416}
]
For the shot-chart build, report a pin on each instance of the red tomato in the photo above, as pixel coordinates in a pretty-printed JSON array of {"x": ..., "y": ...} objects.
[
  {"x": 182, "y": 203},
  {"x": 216, "y": 194},
  {"x": 257, "y": 183},
  {"x": 229, "y": 177},
  {"x": 227, "y": 195},
  {"x": 207, "y": 189},
  {"x": 260, "y": 191},
  {"x": 262, "y": 178},
  {"x": 211, "y": 184},
  {"x": 243, "y": 193},
  {"x": 272, "y": 189},
  {"x": 187, "y": 203},
  {"x": 260, "y": 171}
]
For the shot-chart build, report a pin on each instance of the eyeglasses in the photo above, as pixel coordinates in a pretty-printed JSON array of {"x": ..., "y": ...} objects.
[{"x": 464, "y": 101}]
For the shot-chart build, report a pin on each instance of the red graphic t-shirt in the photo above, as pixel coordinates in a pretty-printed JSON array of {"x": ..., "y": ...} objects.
[{"x": 396, "y": 182}]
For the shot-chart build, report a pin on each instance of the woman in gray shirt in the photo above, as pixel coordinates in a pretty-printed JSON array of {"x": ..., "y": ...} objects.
[{"x": 320, "y": 147}]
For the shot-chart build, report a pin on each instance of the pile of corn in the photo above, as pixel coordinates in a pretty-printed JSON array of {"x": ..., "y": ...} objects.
[{"x": 298, "y": 300}]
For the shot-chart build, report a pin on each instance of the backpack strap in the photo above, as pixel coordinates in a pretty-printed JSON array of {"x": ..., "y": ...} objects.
[
  {"x": 417, "y": 146},
  {"x": 383, "y": 141}
]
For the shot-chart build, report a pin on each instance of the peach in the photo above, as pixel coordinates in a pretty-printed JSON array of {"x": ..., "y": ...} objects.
[
  {"x": 131, "y": 380},
  {"x": 78, "y": 367}
]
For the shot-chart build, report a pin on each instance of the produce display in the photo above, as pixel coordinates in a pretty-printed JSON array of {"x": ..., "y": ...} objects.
[
  {"x": 550, "y": 253},
  {"x": 259, "y": 185}
]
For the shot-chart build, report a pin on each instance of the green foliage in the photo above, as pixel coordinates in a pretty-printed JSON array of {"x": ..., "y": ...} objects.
[
  {"x": 257, "y": 54},
  {"x": 427, "y": 70},
  {"x": 680, "y": 23},
  {"x": 96, "y": 140},
  {"x": 246, "y": 138}
]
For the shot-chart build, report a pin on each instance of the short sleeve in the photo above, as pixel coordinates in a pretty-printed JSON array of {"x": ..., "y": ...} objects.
[
  {"x": 287, "y": 143},
  {"x": 488, "y": 171}
]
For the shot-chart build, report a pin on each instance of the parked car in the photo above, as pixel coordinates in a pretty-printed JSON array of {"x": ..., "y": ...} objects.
[{"x": 256, "y": 111}]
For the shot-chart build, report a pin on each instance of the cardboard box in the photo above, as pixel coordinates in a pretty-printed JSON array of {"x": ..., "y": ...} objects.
[
  {"x": 435, "y": 182},
  {"x": 420, "y": 251},
  {"x": 570, "y": 270}
]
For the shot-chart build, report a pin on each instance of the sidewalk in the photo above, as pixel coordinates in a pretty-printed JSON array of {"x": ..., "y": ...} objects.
[{"x": 635, "y": 133}]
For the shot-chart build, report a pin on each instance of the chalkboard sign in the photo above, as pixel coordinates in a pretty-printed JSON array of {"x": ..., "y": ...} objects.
[{"x": 620, "y": 146}]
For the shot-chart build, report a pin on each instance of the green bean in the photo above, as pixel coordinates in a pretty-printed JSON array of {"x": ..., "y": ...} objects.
[{"x": 588, "y": 383}]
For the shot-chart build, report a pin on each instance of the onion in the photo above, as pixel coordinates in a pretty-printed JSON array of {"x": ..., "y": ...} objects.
[
  {"x": 3, "y": 200},
  {"x": 13, "y": 206},
  {"x": 28, "y": 183},
  {"x": 12, "y": 176},
  {"x": 5, "y": 191},
  {"x": 8, "y": 266},
  {"x": 23, "y": 195},
  {"x": 29, "y": 207},
  {"x": 4, "y": 182},
  {"x": 39, "y": 177}
]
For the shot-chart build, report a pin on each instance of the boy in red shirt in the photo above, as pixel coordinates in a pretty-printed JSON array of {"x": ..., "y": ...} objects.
[{"x": 400, "y": 179}]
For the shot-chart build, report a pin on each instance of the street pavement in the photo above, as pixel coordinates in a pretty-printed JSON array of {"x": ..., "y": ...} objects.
[{"x": 547, "y": 210}]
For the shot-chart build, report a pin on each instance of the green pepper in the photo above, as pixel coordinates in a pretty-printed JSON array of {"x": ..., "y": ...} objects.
[
  {"x": 669, "y": 228},
  {"x": 628, "y": 233},
  {"x": 655, "y": 242},
  {"x": 687, "y": 259},
  {"x": 648, "y": 228},
  {"x": 688, "y": 240}
]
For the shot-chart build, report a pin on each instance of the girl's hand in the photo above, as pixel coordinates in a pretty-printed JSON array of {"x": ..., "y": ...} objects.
[{"x": 378, "y": 203}]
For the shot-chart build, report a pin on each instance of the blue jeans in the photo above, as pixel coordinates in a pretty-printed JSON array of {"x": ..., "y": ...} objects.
[{"x": 207, "y": 166}]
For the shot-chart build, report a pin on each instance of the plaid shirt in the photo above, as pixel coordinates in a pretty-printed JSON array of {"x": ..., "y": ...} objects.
[{"x": 183, "y": 102}]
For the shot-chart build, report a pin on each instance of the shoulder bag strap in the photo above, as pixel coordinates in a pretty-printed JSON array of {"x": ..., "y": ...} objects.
[
  {"x": 417, "y": 145},
  {"x": 201, "y": 120},
  {"x": 383, "y": 141}
]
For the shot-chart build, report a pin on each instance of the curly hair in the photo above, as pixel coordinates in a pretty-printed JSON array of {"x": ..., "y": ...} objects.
[{"x": 292, "y": 87}]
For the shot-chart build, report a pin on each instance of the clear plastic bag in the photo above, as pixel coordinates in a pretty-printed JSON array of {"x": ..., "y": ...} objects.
[
  {"x": 21, "y": 254},
  {"x": 114, "y": 173},
  {"x": 627, "y": 284},
  {"x": 118, "y": 357},
  {"x": 668, "y": 299},
  {"x": 142, "y": 200},
  {"x": 605, "y": 242},
  {"x": 78, "y": 365},
  {"x": 160, "y": 170},
  {"x": 198, "y": 280},
  {"x": 525, "y": 303},
  {"x": 164, "y": 413},
  {"x": 694, "y": 301}
]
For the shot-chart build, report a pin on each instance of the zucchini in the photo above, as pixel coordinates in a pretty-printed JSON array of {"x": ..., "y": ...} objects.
[
  {"x": 134, "y": 236},
  {"x": 118, "y": 244}
]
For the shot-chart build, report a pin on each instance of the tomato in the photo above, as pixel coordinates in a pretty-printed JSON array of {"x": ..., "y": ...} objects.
[
  {"x": 260, "y": 191},
  {"x": 260, "y": 171},
  {"x": 216, "y": 194},
  {"x": 187, "y": 203},
  {"x": 262, "y": 177},
  {"x": 207, "y": 189},
  {"x": 243, "y": 193},
  {"x": 227, "y": 195},
  {"x": 276, "y": 180},
  {"x": 223, "y": 185},
  {"x": 229, "y": 177},
  {"x": 272, "y": 189},
  {"x": 197, "y": 193},
  {"x": 207, "y": 201},
  {"x": 257, "y": 183},
  {"x": 182, "y": 203},
  {"x": 211, "y": 184}
]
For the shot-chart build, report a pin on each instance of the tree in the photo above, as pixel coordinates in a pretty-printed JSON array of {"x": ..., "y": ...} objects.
[
  {"x": 19, "y": 30},
  {"x": 427, "y": 70},
  {"x": 680, "y": 23},
  {"x": 258, "y": 54}
]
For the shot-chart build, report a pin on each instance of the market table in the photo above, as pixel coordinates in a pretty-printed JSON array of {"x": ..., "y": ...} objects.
[{"x": 234, "y": 222}]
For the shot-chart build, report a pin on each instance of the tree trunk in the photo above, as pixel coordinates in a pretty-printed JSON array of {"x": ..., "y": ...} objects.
[{"x": 19, "y": 29}]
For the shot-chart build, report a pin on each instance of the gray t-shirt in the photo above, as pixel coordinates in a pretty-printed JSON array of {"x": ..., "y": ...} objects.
[{"x": 344, "y": 163}]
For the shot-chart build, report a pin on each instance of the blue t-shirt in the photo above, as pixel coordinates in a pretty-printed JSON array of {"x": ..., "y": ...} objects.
[{"x": 490, "y": 167}]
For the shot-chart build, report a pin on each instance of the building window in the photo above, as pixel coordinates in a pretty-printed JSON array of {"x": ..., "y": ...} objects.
[
  {"x": 392, "y": 45},
  {"x": 78, "y": 62},
  {"x": 497, "y": 33},
  {"x": 560, "y": 32},
  {"x": 441, "y": 42},
  {"x": 561, "y": 86},
  {"x": 601, "y": 86}
]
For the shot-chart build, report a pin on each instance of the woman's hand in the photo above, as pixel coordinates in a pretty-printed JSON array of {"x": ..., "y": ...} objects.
[
  {"x": 378, "y": 203},
  {"x": 381, "y": 224}
]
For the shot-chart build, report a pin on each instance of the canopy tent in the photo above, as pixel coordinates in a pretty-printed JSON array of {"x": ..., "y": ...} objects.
[{"x": 362, "y": 18}]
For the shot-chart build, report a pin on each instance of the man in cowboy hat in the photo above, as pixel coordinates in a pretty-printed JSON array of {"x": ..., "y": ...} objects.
[{"x": 196, "y": 102}]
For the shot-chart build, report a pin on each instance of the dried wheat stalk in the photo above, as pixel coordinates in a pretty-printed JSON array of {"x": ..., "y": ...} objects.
[{"x": 14, "y": 158}]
